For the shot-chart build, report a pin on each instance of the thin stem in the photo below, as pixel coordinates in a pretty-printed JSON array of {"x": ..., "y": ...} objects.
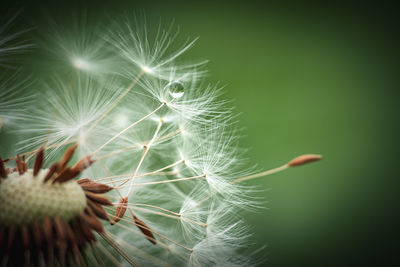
[
  {"x": 176, "y": 216},
  {"x": 165, "y": 181},
  {"x": 119, "y": 249},
  {"x": 45, "y": 147},
  {"x": 108, "y": 254},
  {"x": 136, "y": 145},
  {"x": 246, "y": 178},
  {"x": 126, "y": 129},
  {"x": 137, "y": 176},
  {"x": 154, "y": 232},
  {"x": 261, "y": 174},
  {"x": 118, "y": 151},
  {"x": 95, "y": 255},
  {"x": 145, "y": 174},
  {"x": 120, "y": 97},
  {"x": 145, "y": 151},
  {"x": 151, "y": 206},
  {"x": 138, "y": 251},
  {"x": 166, "y": 167}
]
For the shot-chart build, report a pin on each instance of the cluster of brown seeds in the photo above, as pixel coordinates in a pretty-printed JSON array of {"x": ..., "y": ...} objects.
[
  {"x": 53, "y": 240},
  {"x": 120, "y": 212}
]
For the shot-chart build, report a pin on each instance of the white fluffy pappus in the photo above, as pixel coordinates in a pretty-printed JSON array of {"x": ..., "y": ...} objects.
[
  {"x": 158, "y": 137},
  {"x": 157, "y": 134},
  {"x": 14, "y": 102},
  {"x": 154, "y": 54},
  {"x": 11, "y": 42}
]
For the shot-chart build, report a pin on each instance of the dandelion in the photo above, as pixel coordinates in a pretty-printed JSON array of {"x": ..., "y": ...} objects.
[{"x": 138, "y": 165}]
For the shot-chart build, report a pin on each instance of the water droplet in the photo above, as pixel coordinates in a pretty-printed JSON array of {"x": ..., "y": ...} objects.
[{"x": 176, "y": 89}]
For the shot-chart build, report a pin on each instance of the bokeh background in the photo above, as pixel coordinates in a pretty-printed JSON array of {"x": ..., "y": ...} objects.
[{"x": 306, "y": 77}]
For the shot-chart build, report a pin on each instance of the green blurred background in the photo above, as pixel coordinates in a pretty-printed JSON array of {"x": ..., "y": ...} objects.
[{"x": 307, "y": 78}]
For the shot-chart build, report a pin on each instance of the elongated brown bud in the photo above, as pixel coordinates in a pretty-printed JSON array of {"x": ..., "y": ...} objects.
[
  {"x": 65, "y": 175},
  {"x": 51, "y": 172},
  {"x": 86, "y": 229},
  {"x": 48, "y": 229},
  {"x": 25, "y": 237},
  {"x": 98, "y": 198},
  {"x": 3, "y": 171},
  {"x": 82, "y": 164},
  {"x": 37, "y": 234},
  {"x": 304, "y": 159},
  {"x": 121, "y": 209},
  {"x": 11, "y": 237},
  {"x": 96, "y": 187},
  {"x": 98, "y": 210},
  {"x": 24, "y": 164},
  {"x": 67, "y": 156},
  {"x": 20, "y": 166},
  {"x": 145, "y": 230},
  {"x": 38, "y": 161},
  {"x": 83, "y": 181},
  {"x": 92, "y": 220}
]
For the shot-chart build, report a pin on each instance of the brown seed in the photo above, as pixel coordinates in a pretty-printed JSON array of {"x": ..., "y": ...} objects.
[
  {"x": 11, "y": 236},
  {"x": 86, "y": 229},
  {"x": 145, "y": 230},
  {"x": 304, "y": 159},
  {"x": 65, "y": 175},
  {"x": 48, "y": 235},
  {"x": 98, "y": 198},
  {"x": 37, "y": 234},
  {"x": 25, "y": 166},
  {"x": 67, "y": 156},
  {"x": 25, "y": 237},
  {"x": 72, "y": 240},
  {"x": 38, "y": 161},
  {"x": 48, "y": 229},
  {"x": 82, "y": 164},
  {"x": 20, "y": 166},
  {"x": 3, "y": 171},
  {"x": 83, "y": 181},
  {"x": 50, "y": 173},
  {"x": 60, "y": 230},
  {"x": 98, "y": 210},
  {"x": 79, "y": 234},
  {"x": 121, "y": 209},
  {"x": 96, "y": 187},
  {"x": 92, "y": 220}
]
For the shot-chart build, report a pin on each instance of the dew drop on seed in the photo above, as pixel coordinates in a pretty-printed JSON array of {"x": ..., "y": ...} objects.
[{"x": 176, "y": 89}]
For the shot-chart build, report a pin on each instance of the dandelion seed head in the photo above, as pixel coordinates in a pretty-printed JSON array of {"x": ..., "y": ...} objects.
[{"x": 148, "y": 131}]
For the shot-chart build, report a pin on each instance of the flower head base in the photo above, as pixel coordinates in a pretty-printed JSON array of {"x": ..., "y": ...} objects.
[
  {"x": 40, "y": 199},
  {"x": 45, "y": 214}
]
